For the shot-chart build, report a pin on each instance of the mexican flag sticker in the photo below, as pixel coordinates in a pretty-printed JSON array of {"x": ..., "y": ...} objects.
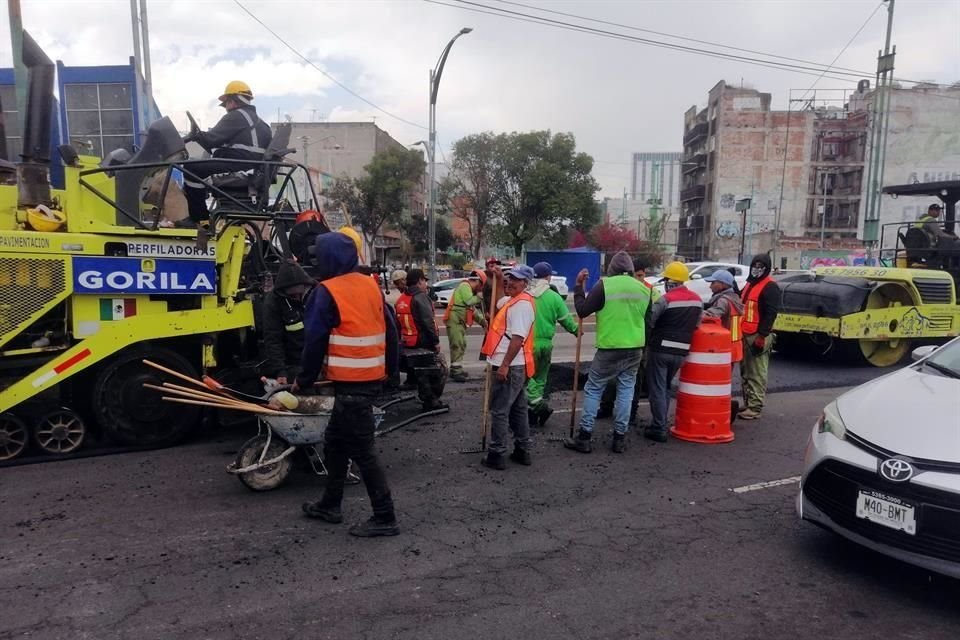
[{"x": 117, "y": 308}]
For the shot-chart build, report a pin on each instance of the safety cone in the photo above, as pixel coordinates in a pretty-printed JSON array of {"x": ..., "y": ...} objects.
[{"x": 703, "y": 397}]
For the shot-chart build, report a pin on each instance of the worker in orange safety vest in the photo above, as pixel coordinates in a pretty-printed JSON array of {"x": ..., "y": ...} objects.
[{"x": 761, "y": 304}]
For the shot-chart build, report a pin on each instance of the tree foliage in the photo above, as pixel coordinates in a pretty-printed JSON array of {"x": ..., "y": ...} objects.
[
  {"x": 416, "y": 229},
  {"x": 381, "y": 196},
  {"x": 610, "y": 238},
  {"x": 519, "y": 186}
]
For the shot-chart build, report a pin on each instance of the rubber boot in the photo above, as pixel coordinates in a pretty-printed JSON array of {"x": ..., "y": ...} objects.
[
  {"x": 581, "y": 443},
  {"x": 619, "y": 443},
  {"x": 545, "y": 414},
  {"x": 494, "y": 461}
]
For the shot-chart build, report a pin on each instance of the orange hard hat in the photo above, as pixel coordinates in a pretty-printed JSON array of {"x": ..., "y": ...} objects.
[{"x": 478, "y": 275}]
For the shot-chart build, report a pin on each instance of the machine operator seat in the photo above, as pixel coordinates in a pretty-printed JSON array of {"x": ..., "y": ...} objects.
[
  {"x": 917, "y": 246},
  {"x": 255, "y": 183}
]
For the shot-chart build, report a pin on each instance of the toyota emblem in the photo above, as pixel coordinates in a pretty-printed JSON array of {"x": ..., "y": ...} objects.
[{"x": 896, "y": 470}]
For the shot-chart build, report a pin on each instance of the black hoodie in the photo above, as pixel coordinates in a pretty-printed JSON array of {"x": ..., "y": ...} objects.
[
  {"x": 769, "y": 302},
  {"x": 282, "y": 341}
]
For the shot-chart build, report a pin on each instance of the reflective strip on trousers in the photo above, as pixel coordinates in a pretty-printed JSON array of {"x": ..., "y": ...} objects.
[
  {"x": 675, "y": 345},
  {"x": 709, "y": 390},
  {"x": 298, "y": 326},
  {"x": 356, "y": 363},
  {"x": 358, "y": 341},
  {"x": 708, "y": 358}
]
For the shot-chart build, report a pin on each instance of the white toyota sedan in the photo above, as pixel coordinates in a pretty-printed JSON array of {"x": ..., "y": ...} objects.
[
  {"x": 882, "y": 466},
  {"x": 700, "y": 270}
]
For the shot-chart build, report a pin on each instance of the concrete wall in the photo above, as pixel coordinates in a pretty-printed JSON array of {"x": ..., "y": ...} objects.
[{"x": 923, "y": 145}]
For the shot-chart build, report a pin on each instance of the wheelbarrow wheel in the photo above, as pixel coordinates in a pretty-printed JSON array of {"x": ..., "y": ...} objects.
[{"x": 270, "y": 476}]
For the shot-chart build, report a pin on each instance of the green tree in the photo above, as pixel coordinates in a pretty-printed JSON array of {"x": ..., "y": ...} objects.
[
  {"x": 469, "y": 189},
  {"x": 417, "y": 230},
  {"x": 381, "y": 196},
  {"x": 544, "y": 188}
]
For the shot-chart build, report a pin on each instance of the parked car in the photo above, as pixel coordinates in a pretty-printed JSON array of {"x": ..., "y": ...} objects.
[
  {"x": 443, "y": 290},
  {"x": 882, "y": 465},
  {"x": 560, "y": 282},
  {"x": 699, "y": 271}
]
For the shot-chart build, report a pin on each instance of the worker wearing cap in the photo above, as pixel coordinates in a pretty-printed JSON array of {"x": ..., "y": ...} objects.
[
  {"x": 550, "y": 310},
  {"x": 283, "y": 312},
  {"x": 460, "y": 314},
  {"x": 673, "y": 319},
  {"x": 936, "y": 234},
  {"x": 508, "y": 347},
  {"x": 640, "y": 266},
  {"x": 399, "y": 280},
  {"x": 239, "y": 135},
  {"x": 420, "y": 341},
  {"x": 621, "y": 304},
  {"x": 726, "y": 305}
]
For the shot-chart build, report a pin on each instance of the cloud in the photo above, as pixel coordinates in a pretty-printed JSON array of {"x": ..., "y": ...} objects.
[{"x": 616, "y": 97}]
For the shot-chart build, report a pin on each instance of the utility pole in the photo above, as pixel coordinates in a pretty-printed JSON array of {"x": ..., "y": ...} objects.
[
  {"x": 655, "y": 200},
  {"x": 742, "y": 206},
  {"x": 304, "y": 140},
  {"x": 878, "y": 137}
]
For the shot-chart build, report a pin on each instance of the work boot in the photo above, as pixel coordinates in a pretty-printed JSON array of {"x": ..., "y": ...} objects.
[
  {"x": 521, "y": 456},
  {"x": 619, "y": 442},
  {"x": 459, "y": 376},
  {"x": 373, "y": 528},
  {"x": 434, "y": 405},
  {"x": 748, "y": 414},
  {"x": 321, "y": 512},
  {"x": 581, "y": 443},
  {"x": 533, "y": 418},
  {"x": 494, "y": 461},
  {"x": 655, "y": 434}
]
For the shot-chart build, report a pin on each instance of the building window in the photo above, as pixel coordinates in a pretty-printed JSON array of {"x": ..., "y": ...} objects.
[
  {"x": 8, "y": 98},
  {"x": 99, "y": 117}
]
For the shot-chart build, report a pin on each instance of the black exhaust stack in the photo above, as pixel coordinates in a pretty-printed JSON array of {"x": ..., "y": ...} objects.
[{"x": 33, "y": 174}]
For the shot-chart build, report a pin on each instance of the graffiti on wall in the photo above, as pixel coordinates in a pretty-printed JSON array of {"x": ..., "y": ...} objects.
[
  {"x": 731, "y": 228},
  {"x": 727, "y": 201},
  {"x": 820, "y": 258}
]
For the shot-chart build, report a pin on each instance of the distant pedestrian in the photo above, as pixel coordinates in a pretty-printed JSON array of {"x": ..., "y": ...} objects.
[
  {"x": 621, "y": 304},
  {"x": 460, "y": 314},
  {"x": 508, "y": 347},
  {"x": 761, "y": 304},
  {"x": 673, "y": 320},
  {"x": 550, "y": 310}
]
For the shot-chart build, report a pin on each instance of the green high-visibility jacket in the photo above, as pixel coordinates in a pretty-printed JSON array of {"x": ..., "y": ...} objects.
[
  {"x": 550, "y": 309},
  {"x": 620, "y": 323}
]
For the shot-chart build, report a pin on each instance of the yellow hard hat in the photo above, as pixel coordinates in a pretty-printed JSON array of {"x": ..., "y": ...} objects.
[
  {"x": 44, "y": 219},
  {"x": 351, "y": 233},
  {"x": 676, "y": 271},
  {"x": 237, "y": 88}
]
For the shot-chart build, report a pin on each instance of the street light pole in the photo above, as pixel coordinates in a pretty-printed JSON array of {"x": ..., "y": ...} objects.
[{"x": 435, "y": 74}]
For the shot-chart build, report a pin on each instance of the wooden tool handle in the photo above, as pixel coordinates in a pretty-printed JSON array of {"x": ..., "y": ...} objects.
[
  {"x": 216, "y": 405},
  {"x": 576, "y": 376},
  {"x": 176, "y": 374}
]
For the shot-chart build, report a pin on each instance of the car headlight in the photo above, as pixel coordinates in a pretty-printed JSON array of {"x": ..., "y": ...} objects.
[{"x": 831, "y": 422}]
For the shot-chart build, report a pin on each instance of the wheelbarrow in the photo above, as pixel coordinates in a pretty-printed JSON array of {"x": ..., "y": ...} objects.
[{"x": 265, "y": 460}]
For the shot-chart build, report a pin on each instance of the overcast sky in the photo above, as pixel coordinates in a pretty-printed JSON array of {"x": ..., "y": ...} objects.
[{"x": 617, "y": 97}]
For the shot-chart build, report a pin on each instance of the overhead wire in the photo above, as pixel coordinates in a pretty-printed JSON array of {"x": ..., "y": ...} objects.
[
  {"x": 323, "y": 71},
  {"x": 671, "y": 35},
  {"x": 842, "y": 51},
  {"x": 548, "y": 22}
]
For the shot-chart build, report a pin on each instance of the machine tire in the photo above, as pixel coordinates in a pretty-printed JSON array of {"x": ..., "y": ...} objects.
[
  {"x": 14, "y": 436},
  {"x": 134, "y": 416},
  {"x": 60, "y": 432},
  {"x": 269, "y": 477}
]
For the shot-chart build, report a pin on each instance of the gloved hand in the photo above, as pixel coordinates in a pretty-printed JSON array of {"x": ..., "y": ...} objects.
[{"x": 759, "y": 344}]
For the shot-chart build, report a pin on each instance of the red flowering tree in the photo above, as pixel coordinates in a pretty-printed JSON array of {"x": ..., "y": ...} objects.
[{"x": 611, "y": 238}]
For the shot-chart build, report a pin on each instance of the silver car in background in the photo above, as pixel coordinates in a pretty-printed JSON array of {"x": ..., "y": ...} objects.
[{"x": 882, "y": 466}]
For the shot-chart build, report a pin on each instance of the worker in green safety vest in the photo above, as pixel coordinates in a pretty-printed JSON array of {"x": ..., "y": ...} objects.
[{"x": 621, "y": 303}]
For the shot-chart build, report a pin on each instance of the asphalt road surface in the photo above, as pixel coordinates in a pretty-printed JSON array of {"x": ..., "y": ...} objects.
[{"x": 653, "y": 543}]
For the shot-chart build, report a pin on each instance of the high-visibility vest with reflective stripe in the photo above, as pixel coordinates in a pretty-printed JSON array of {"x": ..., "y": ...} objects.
[
  {"x": 254, "y": 147},
  {"x": 751, "y": 305},
  {"x": 450, "y": 305},
  {"x": 498, "y": 329},
  {"x": 620, "y": 323},
  {"x": 736, "y": 334},
  {"x": 358, "y": 345},
  {"x": 409, "y": 335}
]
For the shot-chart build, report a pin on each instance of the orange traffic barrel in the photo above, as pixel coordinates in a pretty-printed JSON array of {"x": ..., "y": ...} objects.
[{"x": 703, "y": 397}]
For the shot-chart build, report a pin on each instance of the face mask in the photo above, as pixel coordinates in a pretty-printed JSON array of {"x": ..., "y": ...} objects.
[{"x": 757, "y": 272}]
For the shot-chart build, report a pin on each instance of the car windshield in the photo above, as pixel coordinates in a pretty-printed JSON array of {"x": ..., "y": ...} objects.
[{"x": 947, "y": 358}]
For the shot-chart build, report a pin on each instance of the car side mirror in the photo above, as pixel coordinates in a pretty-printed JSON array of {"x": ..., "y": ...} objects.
[
  {"x": 922, "y": 352},
  {"x": 696, "y": 276}
]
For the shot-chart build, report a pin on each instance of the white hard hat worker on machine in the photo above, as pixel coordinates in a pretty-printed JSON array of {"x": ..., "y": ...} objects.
[{"x": 239, "y": 135}]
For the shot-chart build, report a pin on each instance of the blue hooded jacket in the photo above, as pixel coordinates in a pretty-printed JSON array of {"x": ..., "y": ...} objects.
[{"x": 335, "y": 255}]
